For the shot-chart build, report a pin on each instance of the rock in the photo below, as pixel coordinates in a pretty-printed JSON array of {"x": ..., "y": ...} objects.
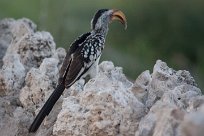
[
  {"x": 5, "y": 36},
  {"x": 195, "y": 103},
  {"x": 162, "y": 120},
  {"x": 12, "y": 75},
  {"x": 106, "y": 106},
  {"x": 163, "y": 103},
  {"x": 170, "y": 93},
  {"x": 27, "y": 49},
  {"x": 141, "y": 85},
  {"x": 38, "y": 85},
  {"x": 10, "y": 29},
  {"x": 59, "y": 54},
  {"x": 193, "y": 124},
  {"x": 33, "y": 48},
  {"x": 165, "y": 79}
]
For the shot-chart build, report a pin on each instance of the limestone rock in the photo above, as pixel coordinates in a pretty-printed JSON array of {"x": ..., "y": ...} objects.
[
  {"x": 5, "y": 36},
  {"x": 165, "y": 79},
  {"x": 60, "y": 54},
  {"x": 193, "y": 124},
  {"x": 39, "y": 83},
  {"x": 26, "y": 49},
  {"x": 106, "y": 106},
  {"x": 163, "y": 103},
  {"x": 170, "y": 93},
  {"x": 141, "y": 85},
  {"x": 12, "y": 75}
]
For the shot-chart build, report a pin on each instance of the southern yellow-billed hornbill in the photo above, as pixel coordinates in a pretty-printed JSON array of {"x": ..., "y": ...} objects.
[{"x": 82, "y": 58}]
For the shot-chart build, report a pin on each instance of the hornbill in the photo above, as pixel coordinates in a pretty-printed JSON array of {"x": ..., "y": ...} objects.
[{"x": 81, "y": 59}]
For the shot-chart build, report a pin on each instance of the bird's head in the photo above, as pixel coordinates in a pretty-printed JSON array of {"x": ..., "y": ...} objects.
[{"x": 103, "y": 17}]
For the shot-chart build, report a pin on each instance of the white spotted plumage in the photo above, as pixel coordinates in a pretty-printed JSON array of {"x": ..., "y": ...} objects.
[{"x": 92, "y": 47}]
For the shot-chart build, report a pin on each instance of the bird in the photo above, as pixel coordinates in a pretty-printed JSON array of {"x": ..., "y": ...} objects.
[{"x": 81, "y": 59}]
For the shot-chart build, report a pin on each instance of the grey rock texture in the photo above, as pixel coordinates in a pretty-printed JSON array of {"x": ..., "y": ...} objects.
[
  {"x": 163, "y": 103},
  {"x": 106, "y": 106},
  {"x": 29, "y": 62},
  {"x": 170, "y": 96}
]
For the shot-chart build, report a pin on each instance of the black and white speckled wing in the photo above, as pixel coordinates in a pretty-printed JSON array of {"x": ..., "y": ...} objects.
[
  {"x": 93, "y": 48},
  {"x": 74, "y": 49},
  {"x": 83, "y": 58}
]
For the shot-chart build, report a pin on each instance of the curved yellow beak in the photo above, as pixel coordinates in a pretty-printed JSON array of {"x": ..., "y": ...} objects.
[{"x": 120, "y": 16}]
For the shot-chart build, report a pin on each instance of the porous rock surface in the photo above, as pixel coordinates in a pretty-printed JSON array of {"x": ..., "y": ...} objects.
[{"x": 165, "y": 102}]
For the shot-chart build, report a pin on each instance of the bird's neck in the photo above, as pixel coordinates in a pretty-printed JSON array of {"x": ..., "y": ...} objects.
[{"x": 102, "y": 30}]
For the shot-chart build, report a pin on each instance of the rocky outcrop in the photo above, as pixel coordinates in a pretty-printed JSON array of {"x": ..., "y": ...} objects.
[
  {"x": 106, "y": 106},
  {"x": 162, "y": 103}
]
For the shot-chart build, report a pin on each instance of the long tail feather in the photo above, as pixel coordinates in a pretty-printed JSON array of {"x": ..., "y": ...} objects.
[{"x": 47, "y": 107}]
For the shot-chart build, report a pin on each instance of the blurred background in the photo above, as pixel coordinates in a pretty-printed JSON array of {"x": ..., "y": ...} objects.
[{"x": 170, "y": 30}]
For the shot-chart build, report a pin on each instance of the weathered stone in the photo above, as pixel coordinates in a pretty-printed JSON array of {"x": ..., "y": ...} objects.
[
  {"x": 27, "y": 49},
  {"x": 165, "y": 79},
  {"x": 193, "y": 124},
  {"x": 164, "y": 103},
  {"x": 39, "y": 83},
  {"x": 12, "y": 75},
  {"x": 106, "y": 106},
  {"x": 141, "y": 85}
]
